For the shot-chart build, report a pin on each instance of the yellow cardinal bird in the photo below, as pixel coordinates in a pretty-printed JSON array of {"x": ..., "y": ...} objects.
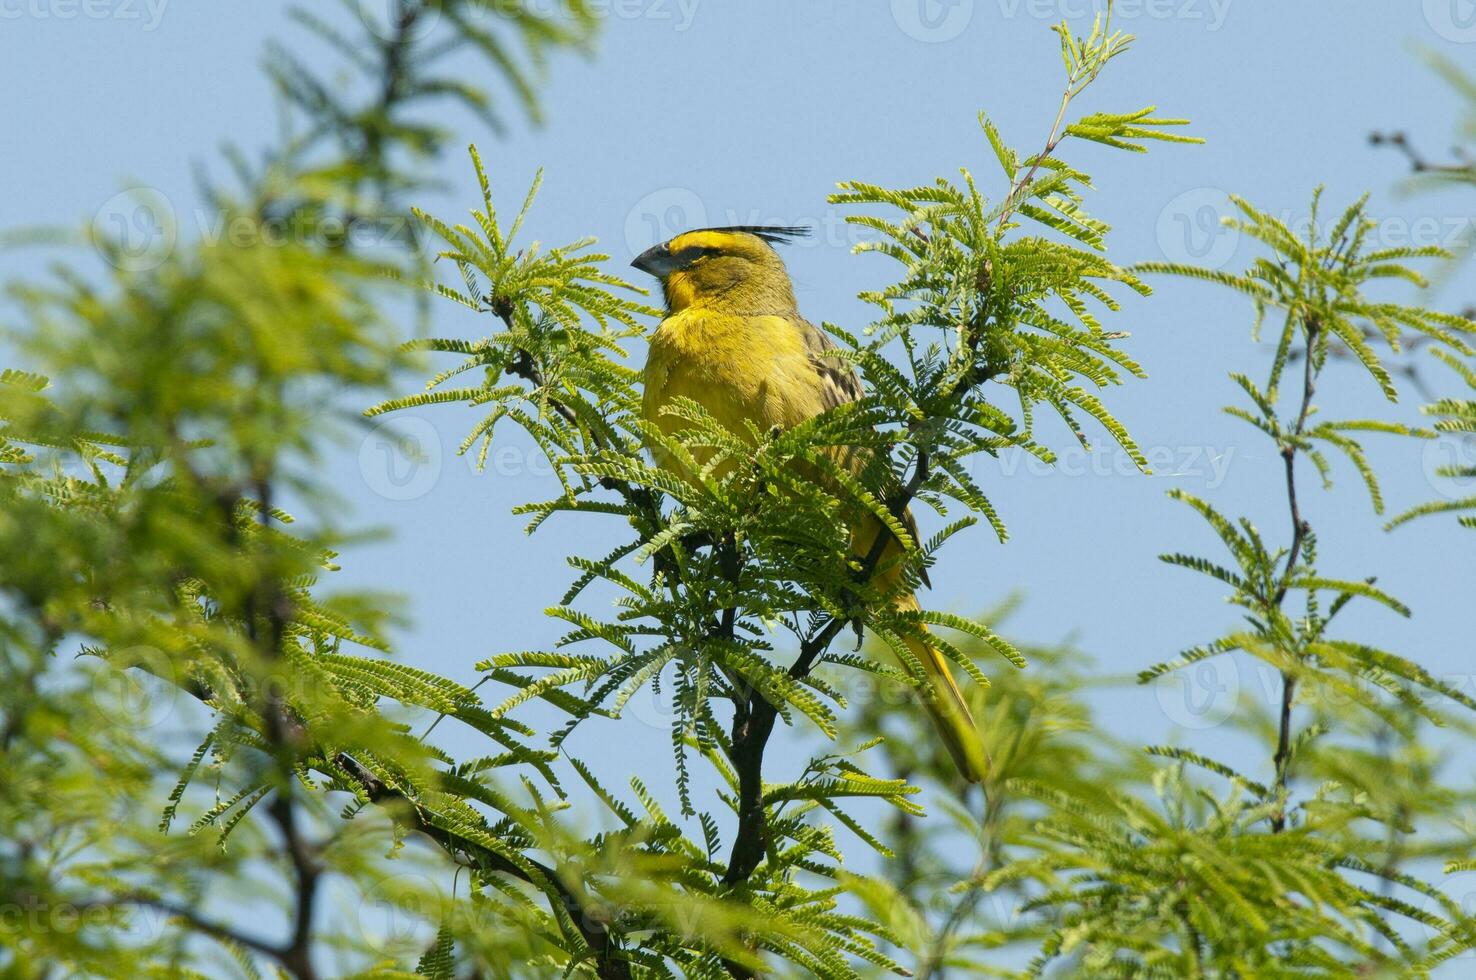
[{"x": 734, "y": 342}]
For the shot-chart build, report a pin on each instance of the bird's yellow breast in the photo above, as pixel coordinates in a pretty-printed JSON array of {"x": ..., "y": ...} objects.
[{"x": 735, "y": 366}]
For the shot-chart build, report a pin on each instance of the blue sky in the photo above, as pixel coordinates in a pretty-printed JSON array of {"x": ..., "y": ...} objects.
[{"x": 709, "y": 112}]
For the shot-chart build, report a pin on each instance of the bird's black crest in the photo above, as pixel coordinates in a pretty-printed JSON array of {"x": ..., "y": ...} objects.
[{"x": 773, "y": 234}]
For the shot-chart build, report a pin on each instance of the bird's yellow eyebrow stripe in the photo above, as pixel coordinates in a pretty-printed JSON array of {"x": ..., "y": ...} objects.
[{"x": 719, "y": 240}]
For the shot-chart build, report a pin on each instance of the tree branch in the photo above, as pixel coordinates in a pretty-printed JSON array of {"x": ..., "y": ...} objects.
[
  {"x": 592, "y": 929},
  {"x": 298, "y": 956},
  {"x": 1300, "y": 529},
  {"x": 292, "y": 741},
  {"x": 199, "y": 924},
  {"x": 753, "y": 719}
]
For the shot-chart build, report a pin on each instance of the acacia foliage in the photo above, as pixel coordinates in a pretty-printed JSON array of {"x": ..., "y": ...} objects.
[
  {"x": 1327, "y": 861},
  {"x": 735, "y": 583}
]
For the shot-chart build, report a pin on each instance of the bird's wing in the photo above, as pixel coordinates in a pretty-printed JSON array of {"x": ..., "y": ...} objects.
[
  {"x": 839, "y": 385},
  {"x": 837, "y": 378}
]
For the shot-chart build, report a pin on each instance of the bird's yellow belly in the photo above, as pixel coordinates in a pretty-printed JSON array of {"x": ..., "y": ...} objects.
[{"x": 730, "y": 396}]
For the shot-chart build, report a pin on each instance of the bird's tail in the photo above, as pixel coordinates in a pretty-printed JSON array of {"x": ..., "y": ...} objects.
[{"x": 946, "y": 706}]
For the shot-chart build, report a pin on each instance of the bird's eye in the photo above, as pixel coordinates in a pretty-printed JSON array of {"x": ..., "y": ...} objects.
[{"x": 696, "y": 253}]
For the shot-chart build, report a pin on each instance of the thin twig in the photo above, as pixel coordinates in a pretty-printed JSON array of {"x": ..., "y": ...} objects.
[{"x": 1300, "y": 530}]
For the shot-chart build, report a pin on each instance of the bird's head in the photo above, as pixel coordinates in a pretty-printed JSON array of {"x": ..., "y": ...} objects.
[{"x": 734, "y": 268}]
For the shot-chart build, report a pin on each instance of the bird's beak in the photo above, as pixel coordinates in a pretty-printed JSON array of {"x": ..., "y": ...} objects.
[{"x": 657, "y": 261}]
